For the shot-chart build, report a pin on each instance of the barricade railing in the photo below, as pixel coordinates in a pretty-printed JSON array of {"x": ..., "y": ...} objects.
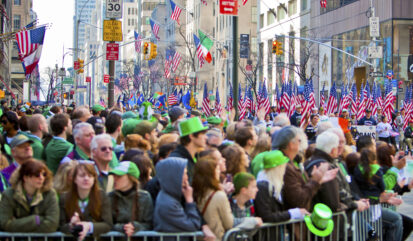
[
  {"x": 389, "y": 206},
  {"x": 295, "y": 230},
  {"x": 112, "y": 235},
  {"x": 366, "y": 222}
]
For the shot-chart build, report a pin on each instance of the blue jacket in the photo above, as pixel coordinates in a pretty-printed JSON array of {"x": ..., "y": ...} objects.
[{"x": 170, "y": 215}]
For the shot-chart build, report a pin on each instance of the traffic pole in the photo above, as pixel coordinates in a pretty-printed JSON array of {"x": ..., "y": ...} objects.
[{"x": 234, "y": 63}]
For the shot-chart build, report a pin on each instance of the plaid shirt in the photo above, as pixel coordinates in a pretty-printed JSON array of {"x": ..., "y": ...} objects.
[{"x": 240, "y": 214}]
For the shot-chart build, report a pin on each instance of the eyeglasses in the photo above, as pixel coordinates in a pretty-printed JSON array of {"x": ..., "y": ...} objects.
[
  {"x": 104, "y": 148},
  {"x": 40, "y": 174}
]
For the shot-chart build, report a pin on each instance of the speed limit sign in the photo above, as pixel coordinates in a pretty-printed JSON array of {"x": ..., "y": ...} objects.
[{"x": 114, "y": 8}]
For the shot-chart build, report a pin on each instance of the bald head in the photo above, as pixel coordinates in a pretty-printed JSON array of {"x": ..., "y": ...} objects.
[{"x": 81, "y": 113}]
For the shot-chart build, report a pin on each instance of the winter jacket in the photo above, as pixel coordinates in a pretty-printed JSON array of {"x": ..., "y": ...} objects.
[
  {"x": 170, "y": 215},
  {"x": 408, "y": 132},
  {"x": 122, "y": 206},
  {"x": 55, "y": 151},
  {"x": 390, "y": 177},
  {"x": 296, "y": 119},
  {"x": 373, "y": 189},
  {"x": 41, "y": 215},
  {"x": 299, "y": 189},
  {"x": 7, "y": 172},
  {"x": 182, "y": 152},
  {"x": 218, "y": 213},
  {"x": 99, "y": 226}
]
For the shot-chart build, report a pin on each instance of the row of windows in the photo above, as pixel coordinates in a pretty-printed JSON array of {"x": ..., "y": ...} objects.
[
  {"x": 133, "y": 11},
  {"x": 17, "y": 2},
  {"x": 148, "y": 6},
  {"x": 132, "y": 22},
  {"x": 281, "y": 12},
  {"x": 16, "y": 22},
  {"x": 334, "y": 4}
]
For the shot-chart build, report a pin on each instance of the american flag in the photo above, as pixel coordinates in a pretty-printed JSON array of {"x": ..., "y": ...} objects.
[
  {"x": 361, "y": 112},
  {"x": 374, "y": 100},
  {"x": 241, "y": 107},
  {"x": 205, "y": 101},
  {"x": 343, "y": 100},
  {"x": 155, "y": 28},
  {"x": 322, "y": 96},
  {"x": 168, "y": 62},
  {"x": 332, "y": 100},
  {"x": 250, "y": 100},
  {"x": 30, "y": 43},
  {"x": 176, "y": 11},
  {"x": 285, "y": 98},
  {"x": 379, "y": 99},
  {"x": 175, "y": 61},
  {"x": 138, "y": 39},
  {"x": 323, "y": 3},
  {"x": 292, "y": 105},
  {"x": 173, "y": 98},
  {"x": 199, "y": 52},
  {"x": 408, "y": 106},
  {"x": 369, "y": 101},
  {"x": 312, "y": 96},
  {"x": 230, "y": 99},
  {"x": 307, "y": 103},
  {"x": 265, "y": 101},
  {"x": 244, "y": 2},
  {"x": 4, "y": 12},
  {"x": 218, "y": 105},
  {"x": 353, "y": 99},
  {"x": 277, "y": 97},
  {"x": 388, "y": 102}
]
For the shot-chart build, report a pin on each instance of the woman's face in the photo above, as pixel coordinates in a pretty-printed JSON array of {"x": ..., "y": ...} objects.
[
  {"x": 217, "y": 172},
  {"x": 244, "y": 159},
  {"x": 294, "y": 146},
  {"x": 35, "y": 181},
  {"x": 221, "y": 160},
  {"x": 122, "y": 183},
  {"x": 84, "y": 180}
]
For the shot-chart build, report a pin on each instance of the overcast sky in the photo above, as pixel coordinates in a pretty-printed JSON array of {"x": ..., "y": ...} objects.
[{"x": 59, "y": 15}]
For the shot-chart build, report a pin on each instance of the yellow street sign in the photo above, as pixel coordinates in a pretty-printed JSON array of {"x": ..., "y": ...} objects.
[{"x": 112, "y": 30}]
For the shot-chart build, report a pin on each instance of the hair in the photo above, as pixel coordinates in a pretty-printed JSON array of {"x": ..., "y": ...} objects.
[
  {"x": 352, "y": 160},
  {"x": 241, "y": 180},
  {"x": 230, "y": 131},
  {"x": 58, "y": 123},
  {"x": 185, "y": 140},
  {"x": 34, "y": 122},
  {"x": 263, "y": 144},
  {"x": 168, "y": 138},
  {"x": 234, "y": 154},
  {"x": 364, "y": 142},
  {"x": 94, "y": 144},
  {"x": 61, "y": 179},
  {"x": 78, "y": 129},
  {"x": 79, "y": 112},
  {"x": 242, "y": 135},
  {"x": 323, "y": 127},
  {"x": 384, "y": 153},
  {"x": 349, "y": 139},
  {"x": 327, "y": 141},
  {"x": 129, "y": 154},
  {"x": 113, "y": 122},
  {"x": 145, "y": 167},
  {"x": 367, "y": 157},
  {"x": 164, "y": 152},
  {"x": 383, "y": 117},
  {"x": 31, "y": 168},
  {"x": 12, "y": 118},
  {"x": 282, "y": 138},
  {"x": 275, "y": 177},
  {"x": 23, "y": 121},
  {"x": 313, "y": 116},
  {"x": 72, "y": 202},
  {"x": 204, "y": 178},
  {"x": 55, "y": 109},
  {"x": 136, "y": 141},
  {"x": 213, "y": 133}
]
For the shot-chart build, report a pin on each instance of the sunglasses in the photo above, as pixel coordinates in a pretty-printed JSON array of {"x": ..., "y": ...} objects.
[
  {"x": 40, "y": 174},
  {"x": 104, "y": 148}
]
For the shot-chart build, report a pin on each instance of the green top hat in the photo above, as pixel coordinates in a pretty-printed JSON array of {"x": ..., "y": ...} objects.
[
  {"x": 126, "y": 167},
  {"x": 190, "y": 126},
  {"x": 320, "y": 222},
  {"x": 213, "y": 120},
  {"x": 129, "y": 114},
  {"x": 274, "y": 158}
]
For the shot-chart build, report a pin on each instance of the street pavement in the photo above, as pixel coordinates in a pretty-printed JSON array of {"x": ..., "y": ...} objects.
[{"x": 407, "y": 208}]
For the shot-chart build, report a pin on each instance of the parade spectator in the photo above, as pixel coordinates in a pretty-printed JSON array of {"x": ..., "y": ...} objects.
[
  {"x": 63, "y": 177},
  {"x": 132, "y": 207},
  {"x": 101, "y": 147},
  {"x": 247, "y": 138},
  {"x": 97, "y": 109},
  {"x": 311, "y": 128},
  {"x": 379, "y": 114},
  {"x": 83, "y": 134},
  {"x": 81, "y": 113},
  {"x": 168, "y": 138},
  {"x": 113, "y": 126},
  {"x": 408, "y": 135},
  {"x": 37, "y": 125},
  {"x": 149, "y": 132},
  {"x": 85, "y": 209},
  {"x": 10, "y": 124},
  {"x": 296, "y": 117},
  {"x": 236, "y": 160},
  {"x": 399, "y": 122},
  {"x": 384, "y": 130},
  {"x": 175, "y": 113},
  {"x": 145, "y": 167},
  {"x": 367, "y": 120},
  {"x": 58, "y": 147},
  {"x": 30, "y": 205},
  {"x": 263, "y": 145},
  {"x": 136, "y": 141},
  {"x": 214, "y": 138},
  {"x": 322, "y": 115}
]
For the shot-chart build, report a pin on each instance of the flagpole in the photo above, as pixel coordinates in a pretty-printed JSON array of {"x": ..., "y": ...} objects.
[{"x": 234, "y": 64}]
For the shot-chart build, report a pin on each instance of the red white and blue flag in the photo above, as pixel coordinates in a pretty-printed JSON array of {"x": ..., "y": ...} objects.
[
  {"x": 176, "y": 11},
  {"x": 307, "y": 103},
  {"x": 323, "y": 97},
  {"x": 176, "y": 60},
  {"x": 173, "y": 98},
  {"x": 361, "y": 112},
  {"x": 205, "y": 101},
  {"x": 332, "y": 100},
  {"x": 138, "y": 39},
  {"x": 353, "y": 99},
  {"x": 30, "y": 44},
  {"x": 218, "y": 106},
  {"x": 155, "y": 28},
  {"x": 265, "y": 101},
  {"x": 199, "y": 52},
  {"x": 388, "y": 102},
  {"x": 230, "y": 99}
]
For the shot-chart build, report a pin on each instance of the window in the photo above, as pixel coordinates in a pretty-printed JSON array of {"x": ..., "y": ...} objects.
[
  {"x": 270, "y": 18},
  {"x": 303, "y": 5},
  {"x": 262, "y": 20},
  {"x": 16, "y": 22},
  {"x": 128, "y": 22},
  {"x": 17, "y": 2},
  {"x": 292, "y": 7},
  {"x": 253, "y": 14},
  {"x": 128, "y": 11},
  {"x": 280, "y": 13},
  {"x": 148, "y": 21}
]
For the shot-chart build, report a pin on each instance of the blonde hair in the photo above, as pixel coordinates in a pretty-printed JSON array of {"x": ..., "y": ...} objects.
[
  {"x": 61, "y": 181},
  {"x": 136, "y": 141},
  {"x": 168, "y": 138}
]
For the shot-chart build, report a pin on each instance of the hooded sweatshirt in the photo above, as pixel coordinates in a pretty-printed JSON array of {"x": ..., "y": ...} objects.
[{"x": 170, "y": 215}]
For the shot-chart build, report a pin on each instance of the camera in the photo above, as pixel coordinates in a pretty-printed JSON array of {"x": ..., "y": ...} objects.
[{"x": 76, "y": 230}]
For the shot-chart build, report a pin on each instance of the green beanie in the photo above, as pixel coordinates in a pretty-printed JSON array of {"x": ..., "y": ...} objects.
[{"x": 242, "y": 179}]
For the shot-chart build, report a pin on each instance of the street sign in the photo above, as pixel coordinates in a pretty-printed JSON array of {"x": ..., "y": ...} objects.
[
  {"x": 112, "y": 51},
  {"x": 112, "y": 30},
  {"x": 376, "y": 74},
  {"x": 76, "y": 65},
  {"x": 106, "y": 78},
  {"x": 248, "y": 69},
  {"x": 114, "y": 8},
  {"x": 374, "y": 27},
  {"x": 375, "y": 52},
  {"x": 68, "y": 81},
  {"x": 228, "y": 7},
  {"x": 244, "y": 46},
  {"x": 88, "y": 79},
  {"x": 81, "y": 88}
]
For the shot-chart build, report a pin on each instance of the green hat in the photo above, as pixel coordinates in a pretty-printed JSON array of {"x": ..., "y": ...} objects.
[
  {"x": 146, "y": 110},
  {"x": 18, "y": 140},
  {"x": 242, "y": 179},
  {"x": 126, "y": 167},
  {"x": 320, "y": 222},
  {"x": 97, "y": 108},
  {"x": 190, "y": 126},
  {"x": 274, "y": 158},
  {"x": 144, "y": 127},
  {"x": 129, "y": 125},
  {"x": 213, "y": 120},
  {"x": 129, "y": 114}
]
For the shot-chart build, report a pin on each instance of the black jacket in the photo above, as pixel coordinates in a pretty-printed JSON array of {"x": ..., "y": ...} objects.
[
  {"x": 408, "y": 132},
  {"x": 182, "y": 152},
  {"x": 296, "y": 119},
  {"x": 268, "y": 207},
  {"x": 372, "y": 189}
]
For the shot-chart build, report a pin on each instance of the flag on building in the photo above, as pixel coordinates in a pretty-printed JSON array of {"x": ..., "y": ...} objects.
[
  {"x": 205, "y": 101},
  {"x": 176, "y": 11},
  {"x": 138, "y": 39},
  {"x": 175, "y": 61},
  {"x": 332, "y": 100},
  {"x": 199, "y": 52},
  {"x": 218, "y": 106},
  {"x": 30, "y": 44},
  {"x": 155, "y": 28},
  {"x": 206, "y": 44}
]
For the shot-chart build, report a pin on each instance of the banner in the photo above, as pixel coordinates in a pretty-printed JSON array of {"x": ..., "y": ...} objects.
[{"x": 364, "y": 131}]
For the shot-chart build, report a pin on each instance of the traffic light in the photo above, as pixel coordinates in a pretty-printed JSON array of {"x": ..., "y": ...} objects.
[
  {"x": 81, "y": 64},
  {"x": 145, "y": 48},
  {"x": 274, "y": 46},
  {"x": 279, "y": 50},
  {"x": 153, "y": 53}
]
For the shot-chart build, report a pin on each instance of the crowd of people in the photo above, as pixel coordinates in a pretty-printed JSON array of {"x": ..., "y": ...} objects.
[{"x": 86, "y": 171}]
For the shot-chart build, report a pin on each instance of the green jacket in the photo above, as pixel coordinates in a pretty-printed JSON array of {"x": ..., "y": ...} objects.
[
  {"x": 122, "y": 208},
  {"x": 169, "y": 128},
  {"x": 37, "y": 146},
  {"x": 99, "y": 226},
  {"x": 55, "y": 151},
  {"x": 17, "y": 215},
  {"x": 390, "y": 177}
]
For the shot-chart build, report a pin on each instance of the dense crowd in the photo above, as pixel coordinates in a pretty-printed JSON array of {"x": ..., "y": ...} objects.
[{"x": 86, "y": 171}]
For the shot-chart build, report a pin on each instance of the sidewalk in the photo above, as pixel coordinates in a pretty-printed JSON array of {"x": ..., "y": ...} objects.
[{"x": 407, "y": 208}]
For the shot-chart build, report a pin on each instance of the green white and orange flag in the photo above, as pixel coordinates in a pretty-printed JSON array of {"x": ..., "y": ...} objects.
[{"x": 206, "y": 44}]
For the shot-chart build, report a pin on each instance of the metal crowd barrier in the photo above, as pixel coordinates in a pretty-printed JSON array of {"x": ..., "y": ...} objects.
[
  {"x": 295, "y": 230},
  {"x": 113, "y": 235},
  {"x": 363, "y": 222},
  {"x": 389, "y": 206}
]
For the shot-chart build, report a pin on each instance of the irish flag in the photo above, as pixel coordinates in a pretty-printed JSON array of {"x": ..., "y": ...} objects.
[{"x": 206, "y": 44}]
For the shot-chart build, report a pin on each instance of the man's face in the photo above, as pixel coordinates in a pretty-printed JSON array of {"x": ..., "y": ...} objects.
[
  {"x": 22, "y": 152},
  {"x": 44, "y": 127},
  {"x": 6, "y": 124},
  {"x": 299, "y": 110},
  {"x": 251, "y": 190},
  {"x": 200, "y": 140},
  {"x": 254, "y": 138},
  {"x": 103, "y": 152},
  {"x": 69, "y": 127},
  {"x": 85, "y": 138},
  {"x": 368, "y": 114},
  {"x": 402, "y": 112},
  {"x": 334, "y": 152},
  {"x": 341, "y": 144},
  {"x": 154, "y": 136}
]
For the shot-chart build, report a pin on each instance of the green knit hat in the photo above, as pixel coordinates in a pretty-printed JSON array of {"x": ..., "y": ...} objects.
[
  {"x": 129, "y": 125},
  {"x": 274, "y": 158},
  {"x": 242, "y": 179},
  {"x": 126, "y": 167},
  {"x": 320, "y": 222}
]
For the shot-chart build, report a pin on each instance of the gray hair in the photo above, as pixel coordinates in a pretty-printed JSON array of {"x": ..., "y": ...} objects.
[
  {"x": 78, "y": 130},
  {"x": 281, "y": 120},
  {"x": 281, "y": 139},
  {"x": 98, "y": 138},
  {"x": 326, "y": 141},
  {"x": 214, "y": 133},
  {"x": 323, "y": 127},
  {"x": 338, "y": 131}
]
